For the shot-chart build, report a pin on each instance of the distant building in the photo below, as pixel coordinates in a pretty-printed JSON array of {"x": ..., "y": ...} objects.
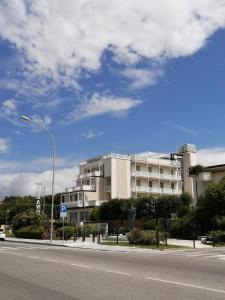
[
  {"x": 123, "y": 176},
  {"x": 210, "y": 174}
]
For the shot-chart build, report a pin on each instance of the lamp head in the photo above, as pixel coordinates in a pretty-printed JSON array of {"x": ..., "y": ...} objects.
[{"x": 25, "y": 118}]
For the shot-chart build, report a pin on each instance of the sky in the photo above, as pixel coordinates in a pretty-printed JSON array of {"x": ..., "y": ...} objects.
[{"x": 107, "y": 76}]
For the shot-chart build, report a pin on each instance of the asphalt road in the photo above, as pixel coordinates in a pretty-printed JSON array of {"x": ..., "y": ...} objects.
[{"x": 44, "y": 272}]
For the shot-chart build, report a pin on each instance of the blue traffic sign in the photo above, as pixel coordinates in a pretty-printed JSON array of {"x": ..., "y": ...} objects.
[{"x": 63, "y": 208}]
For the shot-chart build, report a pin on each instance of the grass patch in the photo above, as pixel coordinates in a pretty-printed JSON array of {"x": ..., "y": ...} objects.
[{"x": 127, "y": 244}]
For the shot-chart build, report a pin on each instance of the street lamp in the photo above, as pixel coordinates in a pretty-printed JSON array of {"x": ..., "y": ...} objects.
[{"x": 53, "y": 166}]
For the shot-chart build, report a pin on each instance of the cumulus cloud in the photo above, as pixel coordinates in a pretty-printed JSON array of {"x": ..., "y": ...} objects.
[
  {"x": 140, "y": 78},
  {"x": 25, "y": 183},
  {"x": 101, "y": 104},
  {"x": 60, "y": 39},
  {"x": 90, "y": 134},
  {"x": 9, "y": 111},
  {"x": 211, "y": 156},
  {"x": 4, "y": 145}
]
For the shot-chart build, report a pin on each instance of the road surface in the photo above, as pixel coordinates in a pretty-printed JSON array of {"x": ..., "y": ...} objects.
[{"x": 47, "y": 272}]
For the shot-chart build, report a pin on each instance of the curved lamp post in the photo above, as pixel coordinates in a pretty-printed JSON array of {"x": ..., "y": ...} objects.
[{"x": 53, "y": 166}]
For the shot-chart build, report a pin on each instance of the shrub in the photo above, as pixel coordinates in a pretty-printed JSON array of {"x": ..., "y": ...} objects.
[
  {"x": 29, "y": 232},
  {"x": 68, "y": 232},
  {"x": 144, "y": 237},
  {"x": 135, "y": 236},
  {"x": 30, "y": 218}
]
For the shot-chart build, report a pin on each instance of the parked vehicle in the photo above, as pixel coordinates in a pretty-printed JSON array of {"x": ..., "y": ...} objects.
[
  {"x": 2, "y": 234},
  {"x": 208, "y": 240}
]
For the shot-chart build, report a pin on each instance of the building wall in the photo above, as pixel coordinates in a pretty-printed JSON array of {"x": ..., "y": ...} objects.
[{"x": 120, "y": 178}]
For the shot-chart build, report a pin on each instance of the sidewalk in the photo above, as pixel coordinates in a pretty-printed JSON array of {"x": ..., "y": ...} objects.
[{"x": 88, "y": 244}]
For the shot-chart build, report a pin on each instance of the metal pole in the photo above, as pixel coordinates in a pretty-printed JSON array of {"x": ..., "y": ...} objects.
[
  {"x": 53, "y": 167},
  {"x": 44, "y": 201},
  {"x": 63, "y": 231}
]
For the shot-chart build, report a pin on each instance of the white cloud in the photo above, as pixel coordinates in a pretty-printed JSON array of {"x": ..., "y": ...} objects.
[
  {"x": 20, "y": 177},
  {"x": 35, "y": 165},
  {"x": 90, "y": 134},
  {"x": 211, "y": 156},
  {"x": 4, "y": 145},
  {"x": 60, "y": 39},
  {"x": 141, "y": 78},
  {"x": 9, "y": 112},
  {"x": 102, "y": 104},
  {"x": 25, "y": 183}
]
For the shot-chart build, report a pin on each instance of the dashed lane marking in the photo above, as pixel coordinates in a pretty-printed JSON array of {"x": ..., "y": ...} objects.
[
  {"x": 117, "y": 272},
  {"x": 81, "y": 266},
  {"x": 51, "y": 260}
]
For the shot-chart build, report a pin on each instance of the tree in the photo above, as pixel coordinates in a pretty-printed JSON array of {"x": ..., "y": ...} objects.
[
  {"x": 30, "y": 224},
  {"x": 211, "y": 206}
]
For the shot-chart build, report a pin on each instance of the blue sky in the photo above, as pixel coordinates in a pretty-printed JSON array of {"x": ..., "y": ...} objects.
[{"x": 120, "y": 77}]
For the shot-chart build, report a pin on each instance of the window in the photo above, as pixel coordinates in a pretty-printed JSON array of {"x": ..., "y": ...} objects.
[
  {"x": 161, "y": 171},
  {"x": 150, "y": 184},
  {"x": 161, "y": 185},
  {"x": 172, "y": 172},
  {"x": 149, "y": 169},
  {"x": 138, "y": 168},
  {"x": 172, "y": 186},
  {"x": 138, "y": 182}
]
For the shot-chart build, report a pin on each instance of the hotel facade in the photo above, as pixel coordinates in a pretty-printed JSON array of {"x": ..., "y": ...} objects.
[{"x": 124, "y": 176}]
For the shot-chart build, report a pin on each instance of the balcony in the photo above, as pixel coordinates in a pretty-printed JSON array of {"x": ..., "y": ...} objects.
[
  {"x": 74, "y": 204},
  {"x": 149, "y": 190},
  {"x": 90, "y": 174},
  {"x": 144, "y": 174},
  {"x": 81, "y": 188}
]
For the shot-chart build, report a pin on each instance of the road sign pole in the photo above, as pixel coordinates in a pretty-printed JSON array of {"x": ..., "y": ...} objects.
[{"x": 63, "y": 231}]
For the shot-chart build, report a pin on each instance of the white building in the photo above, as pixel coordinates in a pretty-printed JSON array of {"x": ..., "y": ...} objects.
[{"x": 124, "y": 176}]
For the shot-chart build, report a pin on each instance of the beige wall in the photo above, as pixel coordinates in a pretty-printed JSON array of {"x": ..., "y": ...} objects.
[{"x": 120, "y": 178}]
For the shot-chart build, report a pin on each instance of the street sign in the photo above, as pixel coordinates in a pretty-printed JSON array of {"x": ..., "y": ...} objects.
[{"x": 63, "y": 211}]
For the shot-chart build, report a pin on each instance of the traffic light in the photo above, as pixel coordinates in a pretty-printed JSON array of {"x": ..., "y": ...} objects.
[{"x": 152, "y": 206}]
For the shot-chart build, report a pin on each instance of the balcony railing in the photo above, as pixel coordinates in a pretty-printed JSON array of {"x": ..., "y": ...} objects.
[
  {"x": 74, "y": 204},
  {"x": 90, "y": 174},
  {"x": 156, "y": 175},
  {"x": 80, "y": 188},
  {"x": 145, "y": 189},
  {"x": 79, "y": 203}
]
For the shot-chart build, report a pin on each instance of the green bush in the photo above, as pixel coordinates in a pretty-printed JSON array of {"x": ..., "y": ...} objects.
[
  {"x": 30, "y": 218},
  {"x": 144, "y": 237},
  {"x": 135, "y": 236},
  {"x": 29, "y": 233},
  {"x": 68, "y": 232}
]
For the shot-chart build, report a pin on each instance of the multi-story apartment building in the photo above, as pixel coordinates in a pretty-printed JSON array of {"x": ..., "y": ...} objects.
[{"x": 123, "y": 176}]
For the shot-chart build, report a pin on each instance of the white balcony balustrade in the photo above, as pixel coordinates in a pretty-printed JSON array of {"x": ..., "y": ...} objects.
[
  {"x": 90, "y": 174},
  {"x": 80, "y": 188},
  {"x": 152, "y": 190},
  {"x": 143, "y": 174}
]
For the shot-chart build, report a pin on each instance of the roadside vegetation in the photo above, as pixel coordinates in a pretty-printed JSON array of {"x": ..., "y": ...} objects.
[{"x": 145, "y": 221}]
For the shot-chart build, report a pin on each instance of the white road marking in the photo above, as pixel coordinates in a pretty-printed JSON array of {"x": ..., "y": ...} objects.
[
  {"x": 35, "y": 257},
  {"x": 10, "y": 248},
  {"x": 81, "y": 266},
  {"x": 117, "y": 272},
  {"x": 186, "y": 284},
  {"x": 12, "y": 253},
  {"x": 50, "y": 259}
]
